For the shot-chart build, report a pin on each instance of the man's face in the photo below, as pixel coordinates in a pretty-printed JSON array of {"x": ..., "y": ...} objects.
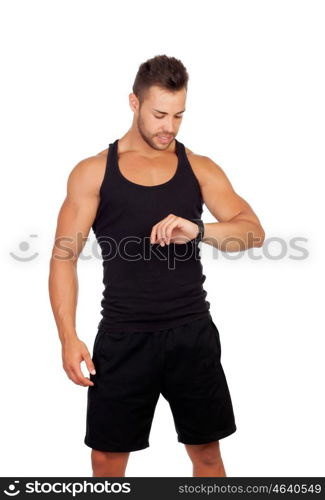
[{"x": 159, "y": 117}]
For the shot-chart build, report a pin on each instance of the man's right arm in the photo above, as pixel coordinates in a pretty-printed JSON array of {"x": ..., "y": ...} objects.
[{"x": 75, "y": 219}]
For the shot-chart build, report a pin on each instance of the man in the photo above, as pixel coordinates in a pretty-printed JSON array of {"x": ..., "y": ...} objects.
[{"x": 143, "y": 199}]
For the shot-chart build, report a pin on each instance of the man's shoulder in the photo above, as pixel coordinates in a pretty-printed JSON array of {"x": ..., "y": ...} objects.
[
  {"x": 202, "y": 165},
  {"x": 88, "y": 173},
  {"x": 198, "y": 158}
]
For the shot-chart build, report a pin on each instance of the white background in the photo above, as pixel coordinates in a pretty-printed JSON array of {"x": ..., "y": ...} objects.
[{"x": 256, "y": 107}]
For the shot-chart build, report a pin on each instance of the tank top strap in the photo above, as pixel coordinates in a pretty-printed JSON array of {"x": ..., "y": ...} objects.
[
  {"x": 180, "y": 150},
  {"x": 112, "y": 157},
  {"x": 180, "y": 147},
  {"x": 182, "y": 161},
  {"x": 184, "y": 165},
  {"x": 111, "y": 169}
]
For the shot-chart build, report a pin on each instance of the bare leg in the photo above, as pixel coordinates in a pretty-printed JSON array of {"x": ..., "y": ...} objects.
[
  {"x": 206, "y": 459},
  {"x": 109, "y": 464}
]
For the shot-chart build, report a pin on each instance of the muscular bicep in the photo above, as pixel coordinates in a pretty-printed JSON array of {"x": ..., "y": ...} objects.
[
  {"x": 220, "y": 197},
  {"x": 77, "y": 212}
]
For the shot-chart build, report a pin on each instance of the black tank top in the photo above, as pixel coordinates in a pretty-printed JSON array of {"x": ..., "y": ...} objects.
[{"x": 148, "y": 287}]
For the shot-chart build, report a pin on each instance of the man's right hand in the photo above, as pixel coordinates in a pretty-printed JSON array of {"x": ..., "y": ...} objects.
[{"x": 74, "y": 351}]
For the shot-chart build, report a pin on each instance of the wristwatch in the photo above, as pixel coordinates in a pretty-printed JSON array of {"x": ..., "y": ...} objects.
[{"x": 200, "y": 234}]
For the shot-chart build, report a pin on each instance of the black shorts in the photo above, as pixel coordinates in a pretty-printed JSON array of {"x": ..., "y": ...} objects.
[{"x": 132, "y": 369}]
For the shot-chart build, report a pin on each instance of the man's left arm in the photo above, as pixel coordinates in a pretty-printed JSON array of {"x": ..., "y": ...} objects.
[{"x": 239, "y": 227}]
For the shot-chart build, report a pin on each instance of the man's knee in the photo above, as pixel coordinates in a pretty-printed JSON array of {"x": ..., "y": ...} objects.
[
  {"x": 207, "y": 453},
  {"x": 108, "y": 463}
]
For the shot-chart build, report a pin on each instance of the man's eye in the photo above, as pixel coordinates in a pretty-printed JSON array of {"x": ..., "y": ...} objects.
[{"x": 159, "y": 117}]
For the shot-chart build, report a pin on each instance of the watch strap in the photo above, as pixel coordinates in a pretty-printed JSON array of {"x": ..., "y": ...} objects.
[{"x": 200, "y": 234}]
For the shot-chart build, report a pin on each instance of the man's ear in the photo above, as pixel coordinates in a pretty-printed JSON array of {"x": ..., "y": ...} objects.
[{"x": 133, "y": 102}]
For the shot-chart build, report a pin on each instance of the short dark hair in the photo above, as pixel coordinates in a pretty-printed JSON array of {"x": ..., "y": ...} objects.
[{"x": 166, "y": 72}]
